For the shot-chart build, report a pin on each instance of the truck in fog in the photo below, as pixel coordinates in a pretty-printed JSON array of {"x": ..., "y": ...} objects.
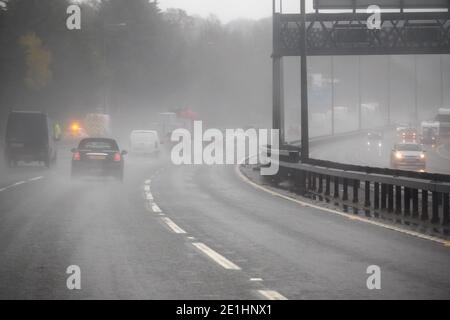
[
  {"x": 443, "y": 118},
  {"x": 97, "y": 125},
  {"x": 430, "y": 132},
  {"x": 29, "y": 138}
]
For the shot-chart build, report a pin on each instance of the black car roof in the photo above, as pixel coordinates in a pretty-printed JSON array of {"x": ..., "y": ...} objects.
[{"x": 98, "y": 139}]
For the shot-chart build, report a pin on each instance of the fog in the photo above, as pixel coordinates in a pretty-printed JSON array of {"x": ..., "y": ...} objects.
[
  {"x": 96, "y": 125},
  {"x": 134, "y": 60}
]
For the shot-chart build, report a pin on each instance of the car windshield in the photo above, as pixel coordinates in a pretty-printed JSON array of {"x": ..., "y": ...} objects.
[
  {"x": 91, "y": 144},
  {"x": 409, "y": 147}
]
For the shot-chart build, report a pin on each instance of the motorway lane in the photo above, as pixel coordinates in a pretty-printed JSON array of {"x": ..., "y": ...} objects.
[
  {"x": 123, "y": 250},
  {"x": 355, "y": 150},
  {"x": 127, "y": 251},
  {"x": 300, "y": 252}
]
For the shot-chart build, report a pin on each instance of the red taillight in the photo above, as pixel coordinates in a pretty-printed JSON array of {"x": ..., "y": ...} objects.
[
  {"x": 76, "y": 156},
  {"x": 117, "y": 157}
]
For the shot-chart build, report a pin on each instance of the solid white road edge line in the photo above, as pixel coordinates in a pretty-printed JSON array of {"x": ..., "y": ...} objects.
[
  {"x": 172, "y": 225},
  {"x": 15, "y": 185},
  {"x": 346, "y": 215},
  {"x": 216, "y": 257},
  {"x": 36, "y": 178}
]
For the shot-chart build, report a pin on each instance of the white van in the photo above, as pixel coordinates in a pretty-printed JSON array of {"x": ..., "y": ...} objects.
[{"x": 144, "y": 142}]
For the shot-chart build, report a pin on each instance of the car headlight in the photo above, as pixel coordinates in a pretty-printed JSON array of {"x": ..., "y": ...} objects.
[
  {"x": 422, "y": 156},
  {"x": 399, "y": 155}
]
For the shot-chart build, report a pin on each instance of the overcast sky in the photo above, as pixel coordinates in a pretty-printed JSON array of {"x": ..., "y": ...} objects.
[{"x": 228, "y": 10}]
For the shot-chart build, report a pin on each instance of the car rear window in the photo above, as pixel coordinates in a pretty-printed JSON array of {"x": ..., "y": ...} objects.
[{"x": 98, "y": 145}]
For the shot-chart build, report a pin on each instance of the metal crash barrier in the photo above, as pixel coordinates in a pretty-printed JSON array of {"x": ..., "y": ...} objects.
[{"x": 412, "y": 194}]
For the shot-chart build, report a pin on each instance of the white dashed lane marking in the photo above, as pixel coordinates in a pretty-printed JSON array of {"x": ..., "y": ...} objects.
[
  {"x": 16, "y": 184},
  {"x": 271, "y": 295},
  {"x": 172, "y": 225},
  {"x": 207, "y": 251},
  {"x": 155, "y": 208},
  {"x": 256, "y": 279},
  {"x": 216, "y": 257}
]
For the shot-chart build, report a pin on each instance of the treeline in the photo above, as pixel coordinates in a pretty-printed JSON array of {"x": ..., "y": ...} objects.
[{"x": 130, "y": 57}]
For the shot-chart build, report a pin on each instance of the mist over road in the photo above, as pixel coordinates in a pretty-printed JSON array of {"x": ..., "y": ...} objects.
[
  {"x": 235, "y": 242},
  {"x": 359, "y": 150}
]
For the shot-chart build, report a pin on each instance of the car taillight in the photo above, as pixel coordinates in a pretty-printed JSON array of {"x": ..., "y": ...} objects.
[
  {"x": 117, "y": 157},
  {"x": 76, "y": 156}
]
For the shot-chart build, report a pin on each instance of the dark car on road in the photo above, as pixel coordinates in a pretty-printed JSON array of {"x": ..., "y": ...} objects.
[
  {"x": 374, "y": 135},
  {"x": 98, "y": 157},
  {"x": 29, "y": 137}
]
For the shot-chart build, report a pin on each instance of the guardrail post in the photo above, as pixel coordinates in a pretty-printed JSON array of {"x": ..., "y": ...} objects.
[
  {"x": 390, "y": 198},
  {"x": 376, "y": 199},
  {"x": 415, "y": 198},
  {"x": 355, "y": 191},
  {"x": 320, "y": 184},
  {"x": 327, "y": 185},
  {"x": 345, "y": 190},
  {"x": 407, "y": 201},
  {"x": 435, "y": 207},
  {"x": 398, "y": 199},
  {"x": 301, "y": 182},
  {"x": 424, "y": 215},
  {"x": 383, "y": 196},
  {"x": 367, "y": 194},
  {"x": 446, "y": 209},
  {"x": 336, "y": 187},
  {"x": 309, "y": 179}
]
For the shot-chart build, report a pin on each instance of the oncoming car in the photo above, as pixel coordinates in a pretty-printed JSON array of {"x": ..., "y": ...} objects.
[
  {"x": 374, "y": 139},
  {"x": 374, "y": 135},
  {"x": 98, "y": 156},
  {"x": 408, "y": 155}
]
